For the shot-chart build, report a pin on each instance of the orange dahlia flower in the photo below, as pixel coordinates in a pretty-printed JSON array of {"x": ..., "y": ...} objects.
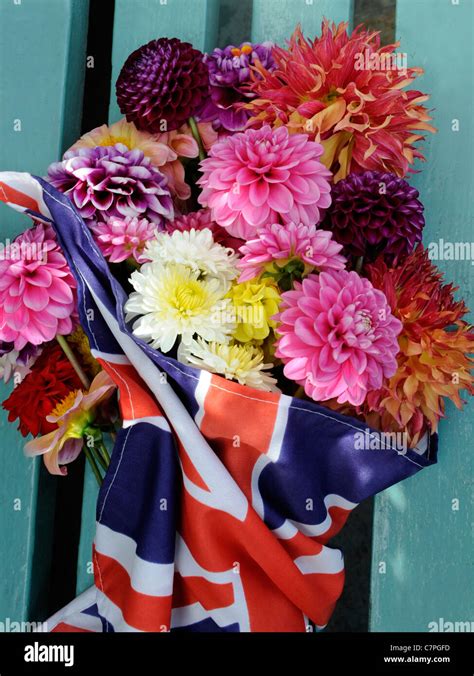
[{"x": 348, "y": 93}]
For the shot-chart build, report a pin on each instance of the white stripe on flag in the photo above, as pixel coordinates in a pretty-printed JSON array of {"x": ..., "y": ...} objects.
[
  {"x": 289, "y": 528},
  {"x": 327, "y": 561},
  {"x": 154, "y": 579},
  {"x": 156, "y": 420},
  {"x": 110, "y": 357},
  {"x": 200, "y": 395}
]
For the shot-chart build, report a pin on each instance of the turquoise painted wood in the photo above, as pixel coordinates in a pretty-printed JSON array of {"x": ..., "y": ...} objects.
[
  {"x": 275, "y": 20},
  {"x": 425, "y": 542},
  {"x": 85, "y": 572},
  {"x": 136, "y": 22},
  {"x": 42, "y": 62}
]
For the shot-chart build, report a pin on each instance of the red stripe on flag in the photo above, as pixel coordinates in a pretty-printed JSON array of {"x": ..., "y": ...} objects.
[
  {"x": 301, "y": 545},
  {"x": 64, "y": 627},
  {"x": 188, "y": 467},
  {"x": 258, "y": 411},
  {"x": 193, "y": 589},
  {"x": 240, "y": 462},
  {"x": 136, "y": 400},
  {"x": 141, "y": 611},
  {"x": 21, "y": 199},
  {"x": 269, "y": 609}
]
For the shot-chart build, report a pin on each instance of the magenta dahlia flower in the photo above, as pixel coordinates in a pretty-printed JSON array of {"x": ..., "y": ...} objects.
[
  {"x": 278, "y": 246},
  {"x": 230, "y": 76},
  {"x": 122, "y": 238},
  {"x": 375, "y": 212},
  {"x": 113, "y": 181},
  {"x": 162, "y": 84},
  {"x": 264, "y": 176},
  {"x": 338, "y": 336},
  {"x": 37, "y": 290},
  {"x": 198, "y": 220}
]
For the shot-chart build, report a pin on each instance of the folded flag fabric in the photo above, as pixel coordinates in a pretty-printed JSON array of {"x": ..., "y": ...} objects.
[{"x": 220, "y": 500}]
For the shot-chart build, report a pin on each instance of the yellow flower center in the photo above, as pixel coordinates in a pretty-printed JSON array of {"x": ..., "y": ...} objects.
[
  {"x": 65, "y": 404},
  {"x": 113, "y": 140},
  {"x": 189, "y": 298}
]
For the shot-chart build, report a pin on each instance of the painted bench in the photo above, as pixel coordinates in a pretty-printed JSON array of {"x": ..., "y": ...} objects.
[{"x": 421, "y": 558}]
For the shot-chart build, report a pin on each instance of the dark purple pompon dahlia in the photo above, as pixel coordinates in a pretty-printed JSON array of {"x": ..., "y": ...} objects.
[
  {"x": 113, "y": 181},
  {"x": 164, "y": 80},
  {"x": 375, "y": 213}
]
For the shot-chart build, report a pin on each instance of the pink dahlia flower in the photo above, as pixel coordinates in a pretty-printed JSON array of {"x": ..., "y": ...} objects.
[
  {"x": 122, "y": 238},
  {"x": 264, "y": 176},
  {"x": 338, "y": 336},
  {"x": 280, "y": 244},
  {"x": 198, "y": 220},
  {"x": 37, "y": 298}
]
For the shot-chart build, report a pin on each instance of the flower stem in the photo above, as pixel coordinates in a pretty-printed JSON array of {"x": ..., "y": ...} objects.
[
  {"x": 93, "y": 464},
  {"x": 300, "y": 393},
  {"x": 99, "y": 458},
  {"x": 102, "y": 448},
  {"x": 72, "y": 358},
  {"x": 197, "y": 137},
  {"x": 359, "y": 264}
]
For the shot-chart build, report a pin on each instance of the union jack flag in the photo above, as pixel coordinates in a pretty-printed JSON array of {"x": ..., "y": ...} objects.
[{"x": 220, "y": 500}]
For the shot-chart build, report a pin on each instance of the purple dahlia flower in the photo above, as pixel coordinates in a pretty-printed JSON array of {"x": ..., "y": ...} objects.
[
  {"x": 230, "y": 76},
  {"x": 164, "y": 80},
  {"x": 113, "y": 181},
  {"x": 373, "y": 213}
]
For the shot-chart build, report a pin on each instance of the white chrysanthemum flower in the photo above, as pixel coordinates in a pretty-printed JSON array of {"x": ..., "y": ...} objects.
[
  {"x": 171, "y": 301},
  {"x": 195, "y": 249},
  {"x": 242, "y": 362}
]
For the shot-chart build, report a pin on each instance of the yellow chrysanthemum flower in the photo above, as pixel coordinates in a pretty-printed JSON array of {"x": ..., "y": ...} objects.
[
  {"x": 244, "y": 363},
  {"x": 254, "y": 303}
]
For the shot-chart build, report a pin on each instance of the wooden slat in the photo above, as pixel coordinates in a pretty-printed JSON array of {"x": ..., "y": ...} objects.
[
  {"x": 42, "y": 63},
  {"x": 85, "y": 577},
  {"x": 275, "y": 20},
  {"x": 136, "y": 22},
  {"x": 425, "y": 544}
]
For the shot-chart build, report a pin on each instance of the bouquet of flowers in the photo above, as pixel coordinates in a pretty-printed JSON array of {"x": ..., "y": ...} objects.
[
  {"x": 254, "y": 203},
  {"x": 253, "y": 207}
]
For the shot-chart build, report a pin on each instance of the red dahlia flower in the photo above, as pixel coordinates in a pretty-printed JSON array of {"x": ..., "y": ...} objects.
[{"x": 51, "y": 379}]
